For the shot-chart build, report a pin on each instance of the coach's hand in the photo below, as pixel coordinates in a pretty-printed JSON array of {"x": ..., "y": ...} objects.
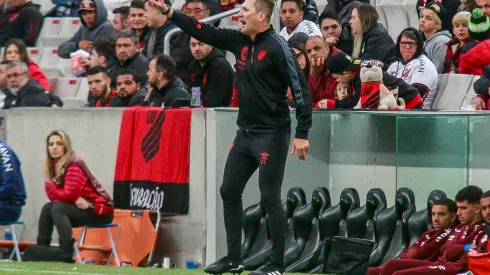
[
  {"x": 161, "y": 6},
  {"x": 301, "y": 146}
]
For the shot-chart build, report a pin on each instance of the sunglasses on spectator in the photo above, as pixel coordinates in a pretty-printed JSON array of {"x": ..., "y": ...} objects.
[
  {"x": 408, "y": 44},
  {"x": 195, "y": 11}
]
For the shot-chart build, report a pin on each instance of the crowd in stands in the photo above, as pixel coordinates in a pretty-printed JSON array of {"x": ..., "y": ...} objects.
[{"x": 452, "y": 37}]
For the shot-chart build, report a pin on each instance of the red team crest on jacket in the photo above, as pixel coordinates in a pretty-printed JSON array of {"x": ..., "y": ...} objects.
[{"x": 261, "y": 54}]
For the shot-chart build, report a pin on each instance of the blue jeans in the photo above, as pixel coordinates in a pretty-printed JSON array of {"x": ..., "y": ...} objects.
[{"x": 9, "y": 213}]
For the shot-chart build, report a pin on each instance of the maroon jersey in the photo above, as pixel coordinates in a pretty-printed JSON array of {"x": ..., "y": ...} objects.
[
  {"x": 428, "y": 246},
  {"x": 461, "y": 235}
]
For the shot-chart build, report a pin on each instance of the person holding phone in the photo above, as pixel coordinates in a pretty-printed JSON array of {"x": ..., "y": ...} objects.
[{"x": 265, "y": 68}]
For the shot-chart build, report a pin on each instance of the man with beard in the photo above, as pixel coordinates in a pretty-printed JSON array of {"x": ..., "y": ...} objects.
[
  {"x": 166, "y": 87},
  {"x": 129, "y": 91},
  {"x": 99, "y": 84},
  {"x": 292, "y": 19},
  {"x": 212, "y": 73},
  {"x": 26, "y": 92}
]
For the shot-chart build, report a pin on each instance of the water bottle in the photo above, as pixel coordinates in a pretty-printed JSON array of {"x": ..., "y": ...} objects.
[
  {"x": 196, "y": 97},
  {"x": 8, "y": 234}
]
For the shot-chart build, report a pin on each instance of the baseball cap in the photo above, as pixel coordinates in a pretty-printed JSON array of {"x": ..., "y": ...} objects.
[
  {"x": 87, "y": 5},
  {"x": 342, "y": 62},
  {"x": 438, "y": 9},
  {"x": 299, "y": 37}
]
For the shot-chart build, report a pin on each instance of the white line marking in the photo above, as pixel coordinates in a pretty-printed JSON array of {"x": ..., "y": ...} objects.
[{"x": 45, "y": 271}]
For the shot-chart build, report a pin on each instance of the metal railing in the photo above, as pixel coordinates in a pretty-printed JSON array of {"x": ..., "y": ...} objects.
[{"x": 211, "y": 19}]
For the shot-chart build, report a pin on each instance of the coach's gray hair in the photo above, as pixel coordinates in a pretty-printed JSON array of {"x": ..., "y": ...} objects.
[
  {"x": 23, "y": 65},
  {"x": 128, "y": 34}
]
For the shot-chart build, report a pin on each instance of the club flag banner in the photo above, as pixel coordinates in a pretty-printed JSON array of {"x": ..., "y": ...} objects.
[{"x": 152, "y": 166}]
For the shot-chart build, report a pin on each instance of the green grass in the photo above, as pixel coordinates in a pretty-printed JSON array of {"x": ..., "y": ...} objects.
[{"x": 15, "y": 268}]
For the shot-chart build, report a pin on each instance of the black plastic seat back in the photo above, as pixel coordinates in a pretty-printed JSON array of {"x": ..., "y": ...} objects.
[
  {"x": 421, "y": 221},
  {"x": 253, "y": 223},
  {"x": 296, "y": 198},
  {"x": 391, "y": 227},
  {"x": 349, "y": 201},
  {"x": 360, "y": 222},
  {"x": 305, "y": 225},
  {"x": 260, "y": 254}
]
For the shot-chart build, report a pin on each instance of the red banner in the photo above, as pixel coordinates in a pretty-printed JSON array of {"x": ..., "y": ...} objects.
[{"x": 152, "y": 167}]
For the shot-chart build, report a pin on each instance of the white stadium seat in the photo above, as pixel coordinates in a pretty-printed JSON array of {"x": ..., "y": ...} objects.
[
  {"x": 65, "y": 87},
  {"x": 395, "y": 13},
  {"x": 454, "y": 92},
  {"x": 50, "y": 63},
  {"x": 49, "y": 36},
  {"x": 83, "y": 89},
  {"x": 34, "y": 54}
]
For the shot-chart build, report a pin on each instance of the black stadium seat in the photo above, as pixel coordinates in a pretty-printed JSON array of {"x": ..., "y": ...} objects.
[
  {"x": 305, "y": 224},
  {"x": 253, "y": 223},
  {"x": 422, "y": 220},
  {"x": 332, "y": 223},
  {"x": 296, "y": 198},
  {"x": 391, "y": 227},
  {"x": 360, "y": 222}
]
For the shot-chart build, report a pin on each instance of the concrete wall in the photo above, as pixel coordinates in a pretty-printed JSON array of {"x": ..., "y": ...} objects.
[{"x": 423, "y": 151}]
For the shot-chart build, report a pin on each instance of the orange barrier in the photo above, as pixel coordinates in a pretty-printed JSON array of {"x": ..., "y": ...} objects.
[
  {"x": 22, "y": 244},
  {"x": 137, "y": 242}
]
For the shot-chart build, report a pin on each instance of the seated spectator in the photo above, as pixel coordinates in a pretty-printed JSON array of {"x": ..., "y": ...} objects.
[
  {"x": 64, "y": 8},
  {"x": 166, "y": 87},
  {"x": 343, "y": 10},
  {"x": 212, "y": 73},
  {"x": 128, "y": 56},
  {"x": 160, "y": 25},
  {"x": 427, "y": 248},
  {"x": 24, "y": 21},
  {"x": 451, "y": 259},
  {"x": 431, "y": 18},
  {"x": 76, "y": 197},
  {"x": 3, "y": 84},
  {"x": 103, "y": 54},
  {"x": 468, "y": 5},
  {"x": 343, "y": 91},
  {"x": 179, "y": 48},
  {"x": 139, "y": 21},
  {"x": 12, "y": 188},
  {"x": 414, "y": 67},
  {"x": 24, "y": 91},
  {"x": 475, "y": 57},
  {"x": 121, "y": 19},
  {"x": 4, "y": 20},
  {"x": 461, "y": 37},
  {"x": 371, "y": 39},
  {"x": 292, "y": 19},
  {"x": 346, "y": 70},
  {"x": 335, "y": 34},
  {"x": 129, "y": 91},
  {"x": 482, "y": 89},
  {"x": 451, "y": 7},
  {"x": 304, "y": 63},
  {"x": 15, "y": 50},
  {"x": 95, "y": 26},
  {"x": 99, "y": 84},
  {"x": 320, "y": 80}
]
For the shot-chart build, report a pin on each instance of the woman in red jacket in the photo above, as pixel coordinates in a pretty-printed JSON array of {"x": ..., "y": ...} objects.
[
  {"x": 16, "y": 50},
  {"x": 76, "y": 197}
]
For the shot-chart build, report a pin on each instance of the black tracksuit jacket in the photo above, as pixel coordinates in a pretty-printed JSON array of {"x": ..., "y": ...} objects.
[{"x": 265, "y": 68}]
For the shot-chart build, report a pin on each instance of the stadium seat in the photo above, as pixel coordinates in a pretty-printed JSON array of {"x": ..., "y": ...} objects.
[
  {"x": 331, "y": 223},
  {"x": 391, "y": 228},
  {"x": 360, "y": 222},
  {"x": 422, "y": 221},
  {"x": 65, "y": 87},
  {"x": 83, "y": 89},
  {"x": 395, "y": 13},
  {"x": 46, "y": 5},
  {"x": 65, "y": 66},
  {"x": 296, "y": 199},
  {"x": 15, "y": 239},
  {"x": 471, "y": 90},
  {"x": 305, "y": 223},
  {"x": 382, "y": 17},
  {"x": 69, "y": 27},
  {"x": 50, "y": 31},
  {"x": 454, "y": 92},
  {"x": 79, "y": 245},
  {"x": 413, "y": 17},
  {"x": 253, "y": 222},
  {"x": 34, "y": 54},
  {"x": 50, "y": 63}
]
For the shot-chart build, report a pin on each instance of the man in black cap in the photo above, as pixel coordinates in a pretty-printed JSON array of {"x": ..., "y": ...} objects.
[{"x": 345, "y": 69}]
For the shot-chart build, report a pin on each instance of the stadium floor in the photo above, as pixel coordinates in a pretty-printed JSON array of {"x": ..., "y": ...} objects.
[{"x": 15, "y": 268}]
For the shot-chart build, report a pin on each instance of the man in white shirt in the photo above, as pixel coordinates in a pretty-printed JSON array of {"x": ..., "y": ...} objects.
[{"x": 292, "y": 19}]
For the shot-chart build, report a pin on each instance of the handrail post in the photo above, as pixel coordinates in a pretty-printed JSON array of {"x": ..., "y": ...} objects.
[{"x": 211, "y": 19}]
